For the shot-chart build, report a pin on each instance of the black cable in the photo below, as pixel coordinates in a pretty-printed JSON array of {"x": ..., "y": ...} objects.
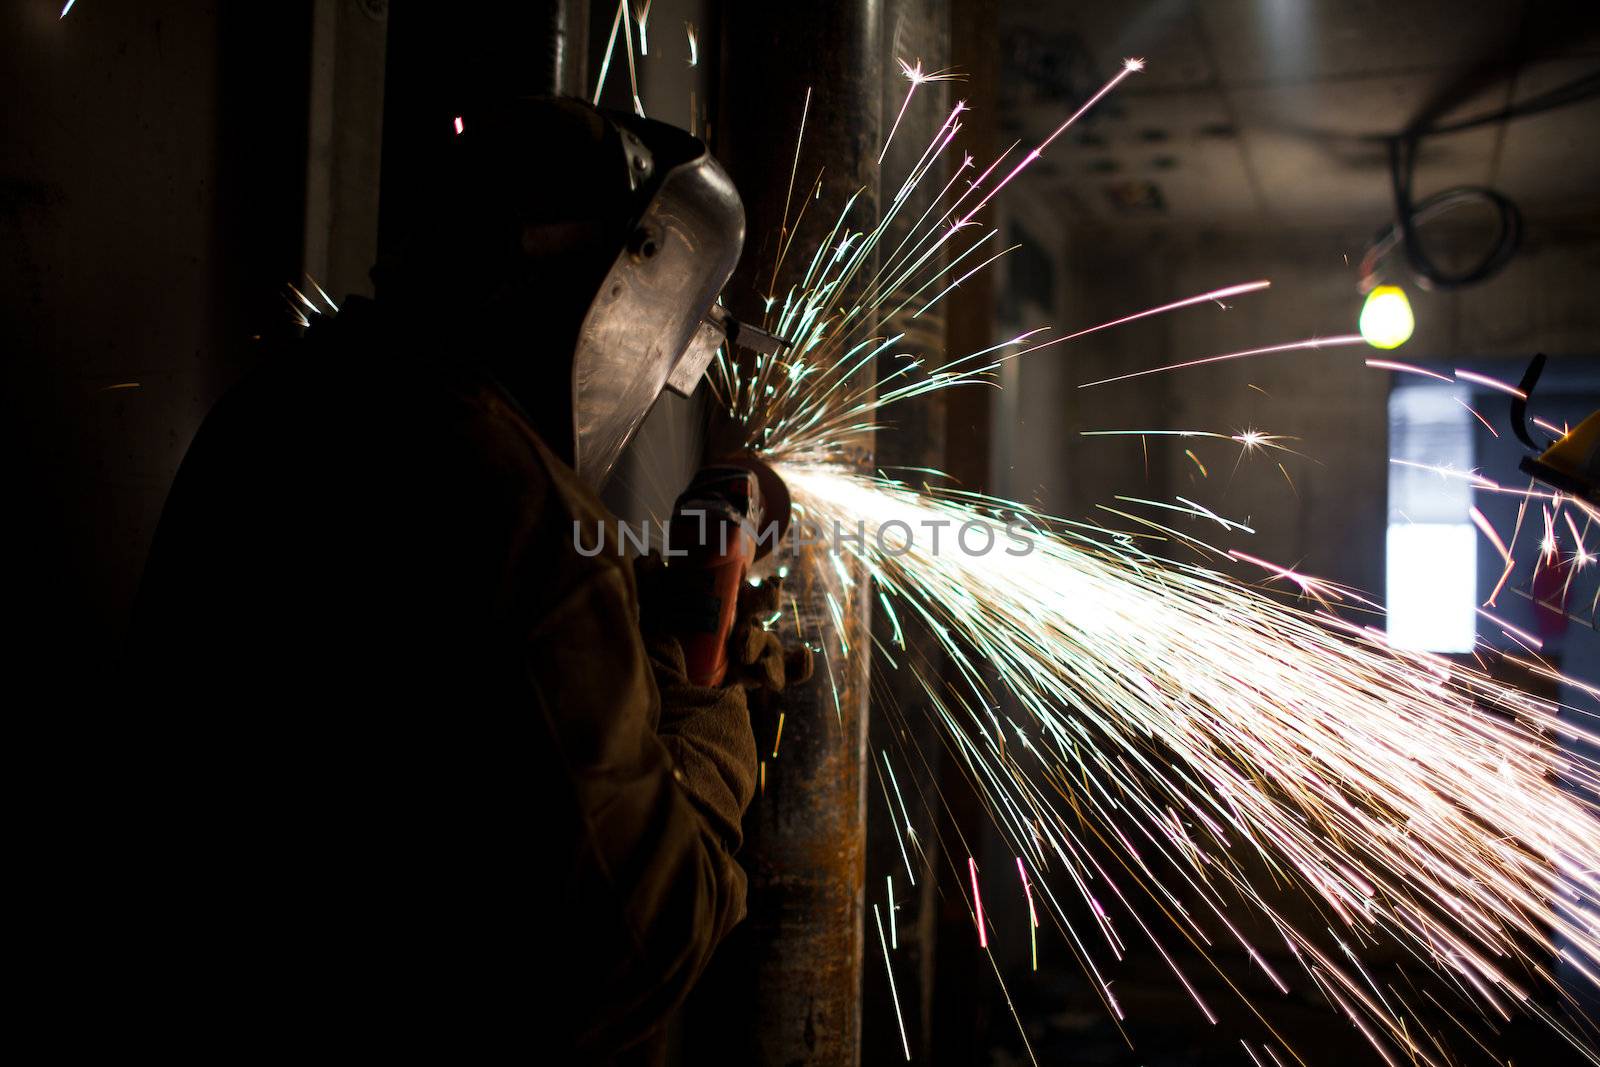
[
  {"x": 1571, "y": 93},
  {"x": 1508, "y": 238},
  {"x": 1409, "y": 215}
]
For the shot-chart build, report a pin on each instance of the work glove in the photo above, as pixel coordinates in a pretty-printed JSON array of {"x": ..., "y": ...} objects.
[
  {"x": 756, "y": 654},
  {"x": 757, "y": 658}
]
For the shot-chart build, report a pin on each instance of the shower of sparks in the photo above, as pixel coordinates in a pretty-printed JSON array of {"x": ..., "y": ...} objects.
[
  {"x": 1166, "y": 704},
  {"x": 1150, "y": 734}
]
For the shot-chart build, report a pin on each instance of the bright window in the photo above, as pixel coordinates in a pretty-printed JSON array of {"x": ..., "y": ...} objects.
[{"x": 1432, "y": 572}]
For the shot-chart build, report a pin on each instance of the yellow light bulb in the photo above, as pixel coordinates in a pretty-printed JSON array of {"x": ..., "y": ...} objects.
[{"x": 1386, "y": 319}]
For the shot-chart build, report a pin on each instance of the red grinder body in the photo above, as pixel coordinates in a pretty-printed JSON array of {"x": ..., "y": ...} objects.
[{"x": 721, "y": 525}]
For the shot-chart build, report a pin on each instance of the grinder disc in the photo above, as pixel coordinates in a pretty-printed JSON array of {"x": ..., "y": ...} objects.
[{"x": 774, "y": 498}]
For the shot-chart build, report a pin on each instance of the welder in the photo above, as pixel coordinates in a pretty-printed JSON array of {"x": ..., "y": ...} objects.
[{"x": 422, "y": 779}]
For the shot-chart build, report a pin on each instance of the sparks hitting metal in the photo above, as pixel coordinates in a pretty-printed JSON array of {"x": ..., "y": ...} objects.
[
  {"x": 1108, "y": 702},
  {"x": 1195, "y": 724},
  {"x": 1197, "y": 730}
]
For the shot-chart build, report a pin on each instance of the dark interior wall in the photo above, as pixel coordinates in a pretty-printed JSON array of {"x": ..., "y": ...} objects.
[
  {"x": 344, "y": 142},
  {"x": 440, "y": 64},
  {"x": 153, "y": 172}
]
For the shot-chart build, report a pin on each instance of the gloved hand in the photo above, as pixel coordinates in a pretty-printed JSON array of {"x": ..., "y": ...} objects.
[
  {"x": 702, "y": 599},
  {"x": 757, "y": 658},
  {"x": 713, "y": 533}
]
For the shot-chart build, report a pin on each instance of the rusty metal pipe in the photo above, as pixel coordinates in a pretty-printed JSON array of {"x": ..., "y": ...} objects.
[{"x": 786, "y": 989}]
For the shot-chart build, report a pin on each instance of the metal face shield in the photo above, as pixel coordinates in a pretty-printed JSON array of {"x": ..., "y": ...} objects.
[{"x": 653, "y": 322}]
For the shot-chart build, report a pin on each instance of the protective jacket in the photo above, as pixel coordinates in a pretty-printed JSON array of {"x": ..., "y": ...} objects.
[{"x": 417, "y": 778}]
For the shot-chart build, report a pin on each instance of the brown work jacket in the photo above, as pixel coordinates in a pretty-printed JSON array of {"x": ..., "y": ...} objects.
[{"x": 409, "y": 777}]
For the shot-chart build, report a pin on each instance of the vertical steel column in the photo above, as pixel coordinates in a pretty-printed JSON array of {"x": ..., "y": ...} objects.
[
  {"x": 901, "y": 727},
  {"x": 789, "y": 987}
]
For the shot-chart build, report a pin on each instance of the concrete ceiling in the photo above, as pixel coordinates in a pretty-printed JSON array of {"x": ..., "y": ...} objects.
[{"x": 1255, "y": 112}]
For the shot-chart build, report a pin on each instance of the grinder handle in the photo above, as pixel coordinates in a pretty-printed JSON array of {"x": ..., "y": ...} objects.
[{"x": 714, "y": 527}]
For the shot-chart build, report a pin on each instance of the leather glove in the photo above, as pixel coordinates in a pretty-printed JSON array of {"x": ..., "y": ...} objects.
[{"x": 756, "y": 654}]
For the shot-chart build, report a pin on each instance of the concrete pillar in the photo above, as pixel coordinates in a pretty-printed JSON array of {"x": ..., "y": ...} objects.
[{"x": 152, "y": 162}]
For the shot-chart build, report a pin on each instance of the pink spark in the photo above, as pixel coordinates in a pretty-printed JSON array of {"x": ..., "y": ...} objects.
[
  {"x": 1558, "y": 431},
  {"x": 1479, "y": 481},
  {"x": 1489, "y": 532},
  {"x": 1129, "y": 66},
  {"x": 1582, "y": 554},
  {"x": 1312, "y": 587},
  {"x": 1492, "y": 383},
  {"x": 1216, "y": 294},
  {"x": 1494, "y": 593},
  {"x": 1473, "y": 412},
  {"x": 1404, "y": 368},
  {"x": 460, "y": 126},
  {"x": 1511, "y": 630},
  {"x": 1313, "y": 342},
  {"x": 914, "y": 74},
  {"x": 977, "y": 901},
  {"x": 915, "y": 81},
  {"x": 1033, "y": 916}
]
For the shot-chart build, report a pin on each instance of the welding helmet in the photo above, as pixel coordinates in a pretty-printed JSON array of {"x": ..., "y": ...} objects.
[
  {"x": 652, "y": 323},
  {"x": 586, "y": 247}
]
